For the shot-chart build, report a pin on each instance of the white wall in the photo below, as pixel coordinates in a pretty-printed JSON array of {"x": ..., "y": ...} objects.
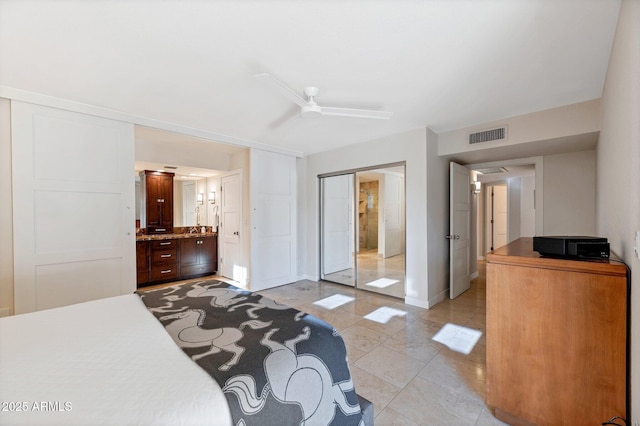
[
  {"x": 569, "y": 193},
  {"x": 177, "y": 204},
  {"x": 198, "y": 154},
  {"x": 213, "y": 185},
  {"x": 556, "y": 125},
  {"x": 618, "y": 167},
  {"x": 410, "y": 147},
  {"x": 437, "y": 222},
  {"x": 6, "y": 208},
  {"x": 514, "y": 200},
  {"x": 527, "y": 204}
]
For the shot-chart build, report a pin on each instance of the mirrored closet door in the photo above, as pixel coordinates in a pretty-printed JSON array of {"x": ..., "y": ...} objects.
[
  {"x": 337, "y": 230},
  {"x": 362, "y": 229}
]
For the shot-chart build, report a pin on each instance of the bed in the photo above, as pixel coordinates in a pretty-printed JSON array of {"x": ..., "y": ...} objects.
[{"x": 198, "y": 353}]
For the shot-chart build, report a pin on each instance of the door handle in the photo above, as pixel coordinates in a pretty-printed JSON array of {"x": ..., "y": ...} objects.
[
  {"x": 452, "y": 237},
  {"x": 236, "y": 233}
]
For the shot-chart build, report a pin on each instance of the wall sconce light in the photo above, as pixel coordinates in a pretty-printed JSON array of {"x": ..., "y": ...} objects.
[
  {"x": 476, "y": 187},
  {"x": 200, "y": 198},
  {"x": 212, "y": 197}
]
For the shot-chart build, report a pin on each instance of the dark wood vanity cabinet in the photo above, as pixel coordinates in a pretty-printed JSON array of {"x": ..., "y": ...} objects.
[
  {"x": 164, "y": 260},
  {"x": 142, "y": 262},
  {"x": 198, "y": 256},
  {"x": 172, "y": 259},
  {"x": 157, "y": 190}
]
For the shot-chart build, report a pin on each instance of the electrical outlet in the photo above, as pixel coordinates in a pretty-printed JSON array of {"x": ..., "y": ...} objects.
[
  {"x": 4, "y": 312},
  {"x": 636, "y": 248}
]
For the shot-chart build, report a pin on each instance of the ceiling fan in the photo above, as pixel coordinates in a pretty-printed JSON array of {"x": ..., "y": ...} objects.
[{"x": 309, "y": 107}]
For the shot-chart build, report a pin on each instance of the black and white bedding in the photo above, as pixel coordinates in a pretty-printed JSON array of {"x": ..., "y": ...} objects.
[
  {"x": 111, "y": 362},
  {"x": 275, "y": 365}
]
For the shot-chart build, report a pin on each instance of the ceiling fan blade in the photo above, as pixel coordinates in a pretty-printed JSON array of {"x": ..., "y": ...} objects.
[
  {"x": 283, "y": 89},
  {"x": 291, "y": 114},
  {"x": 353, "y": 112}
]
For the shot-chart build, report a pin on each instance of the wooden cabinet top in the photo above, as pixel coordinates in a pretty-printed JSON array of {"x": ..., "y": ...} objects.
[{"x": 520, "y": 253}]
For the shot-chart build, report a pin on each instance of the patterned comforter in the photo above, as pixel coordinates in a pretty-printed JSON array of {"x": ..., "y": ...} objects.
[{"x": 275, "y": 364}]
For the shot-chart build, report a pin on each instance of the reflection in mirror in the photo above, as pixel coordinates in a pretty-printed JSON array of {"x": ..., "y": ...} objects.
[
  {"x": 337, "y": 229},
  {"x": 381, "y": 231},
  {"x": 188, "y": 210}
]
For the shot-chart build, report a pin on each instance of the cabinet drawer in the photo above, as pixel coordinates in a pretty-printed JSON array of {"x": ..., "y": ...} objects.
[
  {"x": 194, "y": 270},
  {"x": 164, "y": 244},
  {"x": 166, "y": 271},
  {"x": 165, "y": 255}
]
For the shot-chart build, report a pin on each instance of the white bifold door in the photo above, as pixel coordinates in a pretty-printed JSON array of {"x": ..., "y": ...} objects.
[{"x": 73, "y": 207}]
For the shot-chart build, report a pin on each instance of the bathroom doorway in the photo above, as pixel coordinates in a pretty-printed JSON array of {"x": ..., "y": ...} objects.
[{"x": 362, "y": 221}]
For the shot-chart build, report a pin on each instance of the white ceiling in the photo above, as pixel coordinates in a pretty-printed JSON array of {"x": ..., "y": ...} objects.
[{"x": 444, "y": 64}]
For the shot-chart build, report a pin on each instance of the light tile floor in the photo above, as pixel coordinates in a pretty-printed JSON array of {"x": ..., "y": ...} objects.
[
  {"x": 371, "y": 269},
  {"x": 410, "y": 379}
]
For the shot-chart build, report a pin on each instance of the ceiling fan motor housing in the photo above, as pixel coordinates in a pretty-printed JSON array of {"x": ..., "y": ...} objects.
[{"x": 311, "y": 110}]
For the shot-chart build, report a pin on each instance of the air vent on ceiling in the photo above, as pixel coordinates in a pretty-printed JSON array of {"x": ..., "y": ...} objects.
[
  {"x": 491, "y": 170},
  {"x": 171, "y": 167},
  {"x": 499, "y": 133}
]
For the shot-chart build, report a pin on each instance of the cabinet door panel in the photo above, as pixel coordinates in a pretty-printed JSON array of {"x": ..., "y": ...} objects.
[
  {"x": 189, "y": 252},
  {"x": 207, "y": 252},
  {"x": 200, "y": 269}
]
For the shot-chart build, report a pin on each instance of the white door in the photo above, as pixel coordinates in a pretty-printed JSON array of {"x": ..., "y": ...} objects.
[
  {"x": 337, "y": 224},
  {"x": 393, "y": 214},
  {"x": 73, "y": 207},
  {"x": 273, "y": 219},
  {"x": 459, "y": 216},
  {"x": 499, "y": 216},
  {"x": 229, "y": 240}
]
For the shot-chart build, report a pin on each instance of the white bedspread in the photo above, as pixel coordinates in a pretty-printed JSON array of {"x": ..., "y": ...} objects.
[{"x": 106, "y": 362}]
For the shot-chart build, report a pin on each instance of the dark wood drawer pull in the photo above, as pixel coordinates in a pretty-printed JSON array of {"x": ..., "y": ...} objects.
[
  {"x": 166, "y": 271},
  {"x": 166, "y": 244}
]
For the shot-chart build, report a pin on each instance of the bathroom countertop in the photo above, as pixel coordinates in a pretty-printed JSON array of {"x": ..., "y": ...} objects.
[{"x": 154, "y": 237}]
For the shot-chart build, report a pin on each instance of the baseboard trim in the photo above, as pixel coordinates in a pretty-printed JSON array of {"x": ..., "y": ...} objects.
[
  {"x": 438, "y": 298},
  {"x": 307, "y": 277},
  {"x": 416, "y": 302}
]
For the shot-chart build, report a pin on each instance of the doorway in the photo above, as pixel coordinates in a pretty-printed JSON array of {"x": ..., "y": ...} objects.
[
  {"x": 362, "y": 227},
  {"x": 507, "y": 203}
]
